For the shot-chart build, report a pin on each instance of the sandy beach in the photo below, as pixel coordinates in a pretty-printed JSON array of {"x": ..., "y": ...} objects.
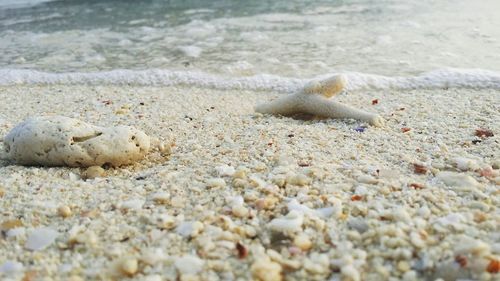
[{"x": 246, "y": 196}]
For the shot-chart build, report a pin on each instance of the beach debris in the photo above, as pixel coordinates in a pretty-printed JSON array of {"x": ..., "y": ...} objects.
[
  {"x": 487, "y": 172},
  {"x": 367, "y": 179},
  {"x": 493, "y": 266},
  {"x": 291, "y": 222},
  {"x": 417, "y": 186},
  {"x": 189, "y": 228},
  {"x": 314, "y": 100},
  {"x": 459, "y": 181},
  {"x": 419, "y": 169},
  {"x": 161, "y": 198},
  {"x": 63, "y": 141},
  {"x": 405, "y": 129},
  {"x": 64, "y": 211},
  {"x": 41, "y": 238},
  {"x": 189, "y": 265},
  {"x": 303, "y": 242},
  {"x": 132, "y": 204},
  {"x": 9, "y": 267},
  {"x": 225, "y": 170},
  {"x": 10, "y": 224},
  {"x": 356, "y": 197},
  {"x": 129, "y": 266},
  {"x": 264, "y": 269},
  {"x": 294, "y": 205},
  {"x": 237, "y": 207},
  {"x": 79, "y": 234},
  {"x": 360, "y": 129},
  {"x": 216, "y": 183},
  {"x": 484, "y": 133},
  {"x": 242, "y": 250},
  {"x": 93, "y": 172},
  {"x": 375, "y": 101},
  {"x": 297, "y": 179},
  {"x": 461, "y": 260},
  {"x": 465, "y": 164}
]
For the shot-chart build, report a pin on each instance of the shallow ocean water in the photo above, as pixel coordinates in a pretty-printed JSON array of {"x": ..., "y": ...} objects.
[{"x": 300, "y": 39}]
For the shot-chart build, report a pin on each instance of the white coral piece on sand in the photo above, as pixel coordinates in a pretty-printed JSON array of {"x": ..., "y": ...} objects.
[
  {"x": 63, "y": 141},
  {"x": 314, "y": 99}
]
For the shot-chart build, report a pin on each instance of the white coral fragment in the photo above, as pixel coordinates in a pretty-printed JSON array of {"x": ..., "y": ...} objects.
[
  {"x": 63, "y": 141},
  {"x": 314, "y": 99}
]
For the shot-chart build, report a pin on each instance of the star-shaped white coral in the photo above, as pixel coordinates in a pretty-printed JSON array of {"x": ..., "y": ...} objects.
[{"x": 314, "y": 100}]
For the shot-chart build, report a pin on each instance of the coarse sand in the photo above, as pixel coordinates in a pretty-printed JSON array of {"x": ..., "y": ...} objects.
[{"x": 247, "y": 196}]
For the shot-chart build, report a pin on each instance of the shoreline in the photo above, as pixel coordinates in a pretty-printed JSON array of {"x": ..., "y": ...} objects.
[{"x": 183, "y": 216}]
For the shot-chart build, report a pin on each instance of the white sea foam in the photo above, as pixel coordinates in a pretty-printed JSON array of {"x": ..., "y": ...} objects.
[
  {"x": 437, "y": 79},
  {"x": 191, "y": 51},
  {"x": 20, "y": 3}
]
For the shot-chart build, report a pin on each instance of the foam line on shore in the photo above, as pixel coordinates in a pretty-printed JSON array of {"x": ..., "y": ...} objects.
[{"x": 437, "y": 79}]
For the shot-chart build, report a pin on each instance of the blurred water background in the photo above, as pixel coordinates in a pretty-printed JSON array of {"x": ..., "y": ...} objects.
[{"x": 289, "y": 38}]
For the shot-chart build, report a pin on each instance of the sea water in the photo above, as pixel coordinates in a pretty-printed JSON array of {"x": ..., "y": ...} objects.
[{"x": 261, "y": 44}]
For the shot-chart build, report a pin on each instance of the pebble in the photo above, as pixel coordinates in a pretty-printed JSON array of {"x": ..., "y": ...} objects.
[
  {"x": 468, "y": 245},
  {"x": 466, "y": 164},
  {"x": 161, "y": 197},
  {"x": 479, "y": 205},
  {"x": 300, "y": 179},
  {"x": 416, "y": 240},
  {"x": 388, "y": 174},
  {"x": 133, "y": 204},
  {"x": 64, "y": 211},
  {"x": 216, "y": 183},
  {"x": 154, "y": 277},
  {"x": 78, "y": 234},
  {"x": 495, "y": 164},
  {"x": 9, "y": 267},
  {"x": 225, "y": 170},
  {"x": 367, "y": 179},
  {"x": 165, "y": 148},
  {"x": 41, "y": 238},
  {"x": 128, "y": 266},
  {"x": 165, "y": 221},
  {"x": 350, "y": 272},
  {"x": 11, "y": 224},
  {"x": 153, "y": 256},
  {"x": 240, "y": 173},
  {"x": 239, "y": 211},
  {"x": 358, "y": 224},
  {"x": 189, "y": 228},
  {"x": 264, "y": 269},
  {"x": 410, "y": 275},
  {"x": 178, "y": 201},
  {"x": 93, "y": 172},
  {"x": 303, "y": 242},
  {"x": 460, "y": 181},
  {"x": 403, "y": 266},
  {"x": 189, "y": 265},
  {"x": 19, "y": 231},
  {"x": 291, "y": 222}
]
